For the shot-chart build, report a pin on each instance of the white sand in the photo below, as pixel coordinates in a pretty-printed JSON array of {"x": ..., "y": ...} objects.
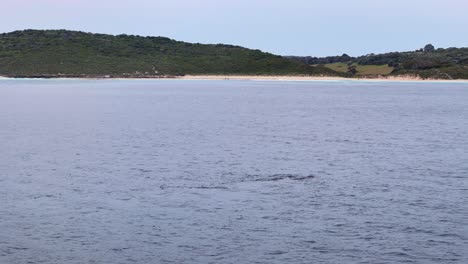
[
  {"x": 277, "y": 78},
  {"x": 310, "y": 78}
]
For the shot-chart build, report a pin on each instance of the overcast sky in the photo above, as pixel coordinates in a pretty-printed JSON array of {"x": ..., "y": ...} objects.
[{"x": 289, "y": 27}]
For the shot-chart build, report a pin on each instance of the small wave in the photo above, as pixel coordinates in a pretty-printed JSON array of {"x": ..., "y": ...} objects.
[
  {"x": 164, "y": 187},
  {"x": 279, "y": 177}
]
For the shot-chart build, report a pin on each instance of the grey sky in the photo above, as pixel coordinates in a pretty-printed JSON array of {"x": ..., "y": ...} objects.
[{"x": 293, "y": 27}]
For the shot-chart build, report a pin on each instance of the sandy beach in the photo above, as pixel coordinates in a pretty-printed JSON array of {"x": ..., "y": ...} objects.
[
  {"x": 310, "y": 78},
  {"x": 260, "y": 78}
]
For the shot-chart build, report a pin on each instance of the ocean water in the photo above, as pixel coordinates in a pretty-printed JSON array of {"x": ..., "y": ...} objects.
[{"x": 233, "y": 172}]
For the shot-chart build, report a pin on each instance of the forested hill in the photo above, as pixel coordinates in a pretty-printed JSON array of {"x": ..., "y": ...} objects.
[
  {"x": 427, "y": 62},
  {"x": 52, "y": 53},
  {"x": 63, "y": 53}
]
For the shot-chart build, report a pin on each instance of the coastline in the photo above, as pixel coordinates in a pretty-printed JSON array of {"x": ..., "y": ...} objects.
[
  {"x": 312, "y": 78},
  {"x": 243, "y": 78}
]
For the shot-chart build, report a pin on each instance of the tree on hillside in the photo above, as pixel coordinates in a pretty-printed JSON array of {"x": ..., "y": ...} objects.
[
  {"x": 352, "y": 70},
  {"x": 429, "y": 48}
]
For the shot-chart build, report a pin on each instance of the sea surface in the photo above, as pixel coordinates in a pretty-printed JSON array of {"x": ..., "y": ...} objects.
[{"x": 176, "y": 171}]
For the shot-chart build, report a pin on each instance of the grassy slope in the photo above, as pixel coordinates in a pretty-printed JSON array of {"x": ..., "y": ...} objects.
[
  {"x": 450, "y": 63},
  {"x": 362, "y": 70},
  {"x": 374, "y": 69},
  {"x": 52, "y": 52}
]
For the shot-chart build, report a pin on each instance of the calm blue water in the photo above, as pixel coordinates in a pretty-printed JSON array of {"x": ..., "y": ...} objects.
[{"x": 233, "y": 172}]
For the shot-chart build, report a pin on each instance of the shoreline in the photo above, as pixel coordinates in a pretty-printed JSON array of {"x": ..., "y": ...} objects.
[
  {"x": 312, "y": 78},
  {"x": 243, "y": 78}
]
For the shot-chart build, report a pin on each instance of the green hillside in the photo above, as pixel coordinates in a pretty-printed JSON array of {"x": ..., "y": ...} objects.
[
  {"x": 49, "y": 53},
  {"x": 428, "y": 62},
  {"x": 361, "y": 70},
  {"x": 62, "y": 53}
]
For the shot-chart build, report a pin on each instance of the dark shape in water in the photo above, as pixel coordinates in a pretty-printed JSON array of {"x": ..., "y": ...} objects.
[
  {"x": 279, "y": 177},
  {"x": 163, "y": 187}
]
